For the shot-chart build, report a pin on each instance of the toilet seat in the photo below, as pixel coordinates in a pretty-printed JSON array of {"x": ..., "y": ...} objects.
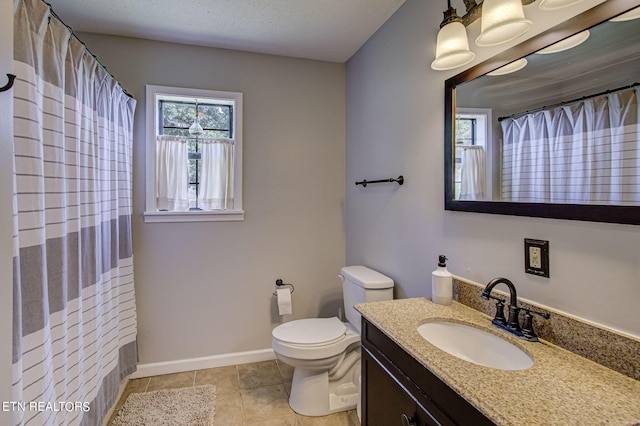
[
  {"x": 313, "y": 338},
  {"x": 311, "y": 331}
]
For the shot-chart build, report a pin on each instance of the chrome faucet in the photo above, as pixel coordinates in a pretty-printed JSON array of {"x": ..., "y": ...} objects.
[{"x": 512, "y": 325}]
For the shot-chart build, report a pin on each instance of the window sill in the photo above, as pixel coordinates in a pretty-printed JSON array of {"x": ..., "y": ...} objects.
[{"x": 194, "y": 216}]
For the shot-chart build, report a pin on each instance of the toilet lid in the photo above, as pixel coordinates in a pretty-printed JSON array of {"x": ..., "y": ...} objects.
[{"x": 310, "y": 331}]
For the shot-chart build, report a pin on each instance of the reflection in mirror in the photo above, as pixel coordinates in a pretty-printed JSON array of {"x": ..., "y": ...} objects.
[{"x": 560, "y": 128}]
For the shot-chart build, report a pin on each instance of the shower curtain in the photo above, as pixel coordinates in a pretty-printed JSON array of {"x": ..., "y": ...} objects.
[
  {"x": 586, "y": 152},
  {"x": 74, "y": 309}
]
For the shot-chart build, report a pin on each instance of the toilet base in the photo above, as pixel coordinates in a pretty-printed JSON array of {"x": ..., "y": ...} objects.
[{"x": 312, "y": 394}]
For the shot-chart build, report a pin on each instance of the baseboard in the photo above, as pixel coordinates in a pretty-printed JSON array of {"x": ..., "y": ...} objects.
[{"x": 178, "y": 366}]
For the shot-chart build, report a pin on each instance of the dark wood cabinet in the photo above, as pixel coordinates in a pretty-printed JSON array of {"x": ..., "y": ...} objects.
[{"x": 398, "y": 390}]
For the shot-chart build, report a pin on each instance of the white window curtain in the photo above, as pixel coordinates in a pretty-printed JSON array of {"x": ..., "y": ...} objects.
[
  {"x": 74, "y": 327},
  {"x": 472, "y": 173},
  {"x": 216, "y": 179},
  {"x": 586, "y": 152},
  {"x": 172, "y": 173}
]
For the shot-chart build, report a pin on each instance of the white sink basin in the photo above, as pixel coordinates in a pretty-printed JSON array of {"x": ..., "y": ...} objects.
[{"x": 475, "y": 345}]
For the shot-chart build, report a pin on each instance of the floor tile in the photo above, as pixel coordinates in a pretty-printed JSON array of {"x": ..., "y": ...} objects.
[
  {"x": 171, "y": 381},
  {"x": 279, "y": 421},
  {"x": 254, "y": 394},
  {"x": 225, "y": 379},
  {"x": 337, "y": 419},
  {"x": 259, "y": 374},
  {"x": 228, "y": 409},
  {"x": 265, "y": 403},
  {"x": 353, "y": 416}
]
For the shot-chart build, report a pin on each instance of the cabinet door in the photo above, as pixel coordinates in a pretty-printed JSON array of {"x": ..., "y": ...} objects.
[
  {"x": 424, "y": 417},
  {"x": 439, "y": 404},
  {"x": 385, "y": 401}
]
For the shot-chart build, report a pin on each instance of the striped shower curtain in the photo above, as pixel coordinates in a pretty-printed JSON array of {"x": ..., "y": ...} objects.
[
  {"x": 587, "y": 152},
  {"x": 74, "y": 316}
]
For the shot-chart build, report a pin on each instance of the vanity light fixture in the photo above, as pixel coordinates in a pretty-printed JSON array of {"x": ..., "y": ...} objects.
[
  {"x": 566, "y": 44},
  {"x": 196, "y": 129},
  {"x": 628, "y": 16},
  {"x": 501, "y": 21},
  {"x": 556, "y": 4},
  {"x": 452, "y": 46},
  {"x": 509, "y": 68}
]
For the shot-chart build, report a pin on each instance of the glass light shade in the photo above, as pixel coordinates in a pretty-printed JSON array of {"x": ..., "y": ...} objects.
[
  {"x": 510, "y": 67},
  {"x": 452, "y": 47},
  {"x": 566, "y": 44},
  {"x": 196, "y": 129},
  {"x": 501, "y": 21},
  {"x": 628, "y": 16},
  {"x": 556, "y": 4}
]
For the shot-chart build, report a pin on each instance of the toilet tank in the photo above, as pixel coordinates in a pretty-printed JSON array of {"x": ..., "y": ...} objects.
[{"x": 361, "y": 284}]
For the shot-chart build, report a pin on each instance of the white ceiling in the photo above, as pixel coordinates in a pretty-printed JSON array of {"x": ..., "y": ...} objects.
[{"x": 329, "y": 30}]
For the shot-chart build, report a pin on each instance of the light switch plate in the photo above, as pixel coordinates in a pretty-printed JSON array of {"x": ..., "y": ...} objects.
[{"x": 536, "y": 257}]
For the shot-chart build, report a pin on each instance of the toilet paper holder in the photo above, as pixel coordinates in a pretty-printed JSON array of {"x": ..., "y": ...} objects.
[{"x": 280, "y": 283}]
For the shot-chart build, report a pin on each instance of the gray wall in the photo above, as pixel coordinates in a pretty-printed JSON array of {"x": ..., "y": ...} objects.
[
  {"x": 6, "y": 211},
  {"x": 205, "y": 288},
  {"x": 395, "y": 118}
]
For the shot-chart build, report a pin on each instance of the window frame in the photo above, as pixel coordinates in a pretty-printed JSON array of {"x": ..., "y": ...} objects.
[
  {"x": 151, "y": 213},
  {"x": 483, "y": 137}
]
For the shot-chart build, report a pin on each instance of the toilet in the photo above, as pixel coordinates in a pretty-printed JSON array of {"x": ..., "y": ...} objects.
[{"x": 325, "y": 352}]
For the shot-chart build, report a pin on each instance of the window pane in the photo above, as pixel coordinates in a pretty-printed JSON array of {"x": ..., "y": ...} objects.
[
  {"x": 176, "y": 132},
  {"x": 464, "y": 131},
  {"x": 214, "y": 116},
  {"x": 216, "y": 134},
  {"x": 178, "y": 115},
  {"x": 193, "y": 171},
  {"x": 192, "y": 196}
]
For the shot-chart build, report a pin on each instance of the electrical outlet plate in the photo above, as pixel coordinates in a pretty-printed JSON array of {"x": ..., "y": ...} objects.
[{"x": 536, "y": 257}]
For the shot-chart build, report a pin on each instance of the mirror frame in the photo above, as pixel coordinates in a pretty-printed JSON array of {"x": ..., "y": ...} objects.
[{"x": 586, "y": 212}]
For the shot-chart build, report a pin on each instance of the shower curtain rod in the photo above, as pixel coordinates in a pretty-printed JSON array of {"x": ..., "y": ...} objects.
[
  {"x": 606, "y": 92},
  {"x": 55, "y": 15}
]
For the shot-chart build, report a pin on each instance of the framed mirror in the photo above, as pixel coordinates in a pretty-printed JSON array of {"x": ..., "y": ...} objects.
[{"x": 558, "y": 138}]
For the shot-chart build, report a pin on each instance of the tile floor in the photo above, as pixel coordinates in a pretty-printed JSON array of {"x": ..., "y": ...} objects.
[{"x": 254, "y": 394}]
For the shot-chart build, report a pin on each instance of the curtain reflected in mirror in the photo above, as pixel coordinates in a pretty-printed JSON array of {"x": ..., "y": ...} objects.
[{"x": 582, "y": 153}]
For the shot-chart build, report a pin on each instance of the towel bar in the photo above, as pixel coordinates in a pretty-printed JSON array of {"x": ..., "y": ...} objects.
[{"x": 399, "y": 180}]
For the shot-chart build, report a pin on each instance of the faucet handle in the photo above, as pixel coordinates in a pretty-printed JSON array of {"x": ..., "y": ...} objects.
[
  {"x": 544, "y": 315},
  {"x": 499, "y": 316},
  {"x": 528, "y": 332}
]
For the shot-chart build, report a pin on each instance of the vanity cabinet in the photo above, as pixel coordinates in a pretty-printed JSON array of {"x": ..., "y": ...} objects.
[{"x": 398, "y": 390}]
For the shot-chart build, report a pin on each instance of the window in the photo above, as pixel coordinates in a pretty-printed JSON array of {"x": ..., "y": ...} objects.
[
  {"x": 194, "y": 155},
  {"x": 466, "y": 136},
  {"x": 472, "y": 130}
]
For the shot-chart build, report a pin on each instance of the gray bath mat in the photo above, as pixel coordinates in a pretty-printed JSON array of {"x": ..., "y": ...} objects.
[{"x": 193, "y": 406}]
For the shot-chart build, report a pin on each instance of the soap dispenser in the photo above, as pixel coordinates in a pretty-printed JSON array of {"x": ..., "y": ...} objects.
[{"x": 441, "y": 283}]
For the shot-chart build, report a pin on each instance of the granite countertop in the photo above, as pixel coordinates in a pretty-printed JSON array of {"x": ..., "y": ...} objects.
[{"x": 560, "y": 389}]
